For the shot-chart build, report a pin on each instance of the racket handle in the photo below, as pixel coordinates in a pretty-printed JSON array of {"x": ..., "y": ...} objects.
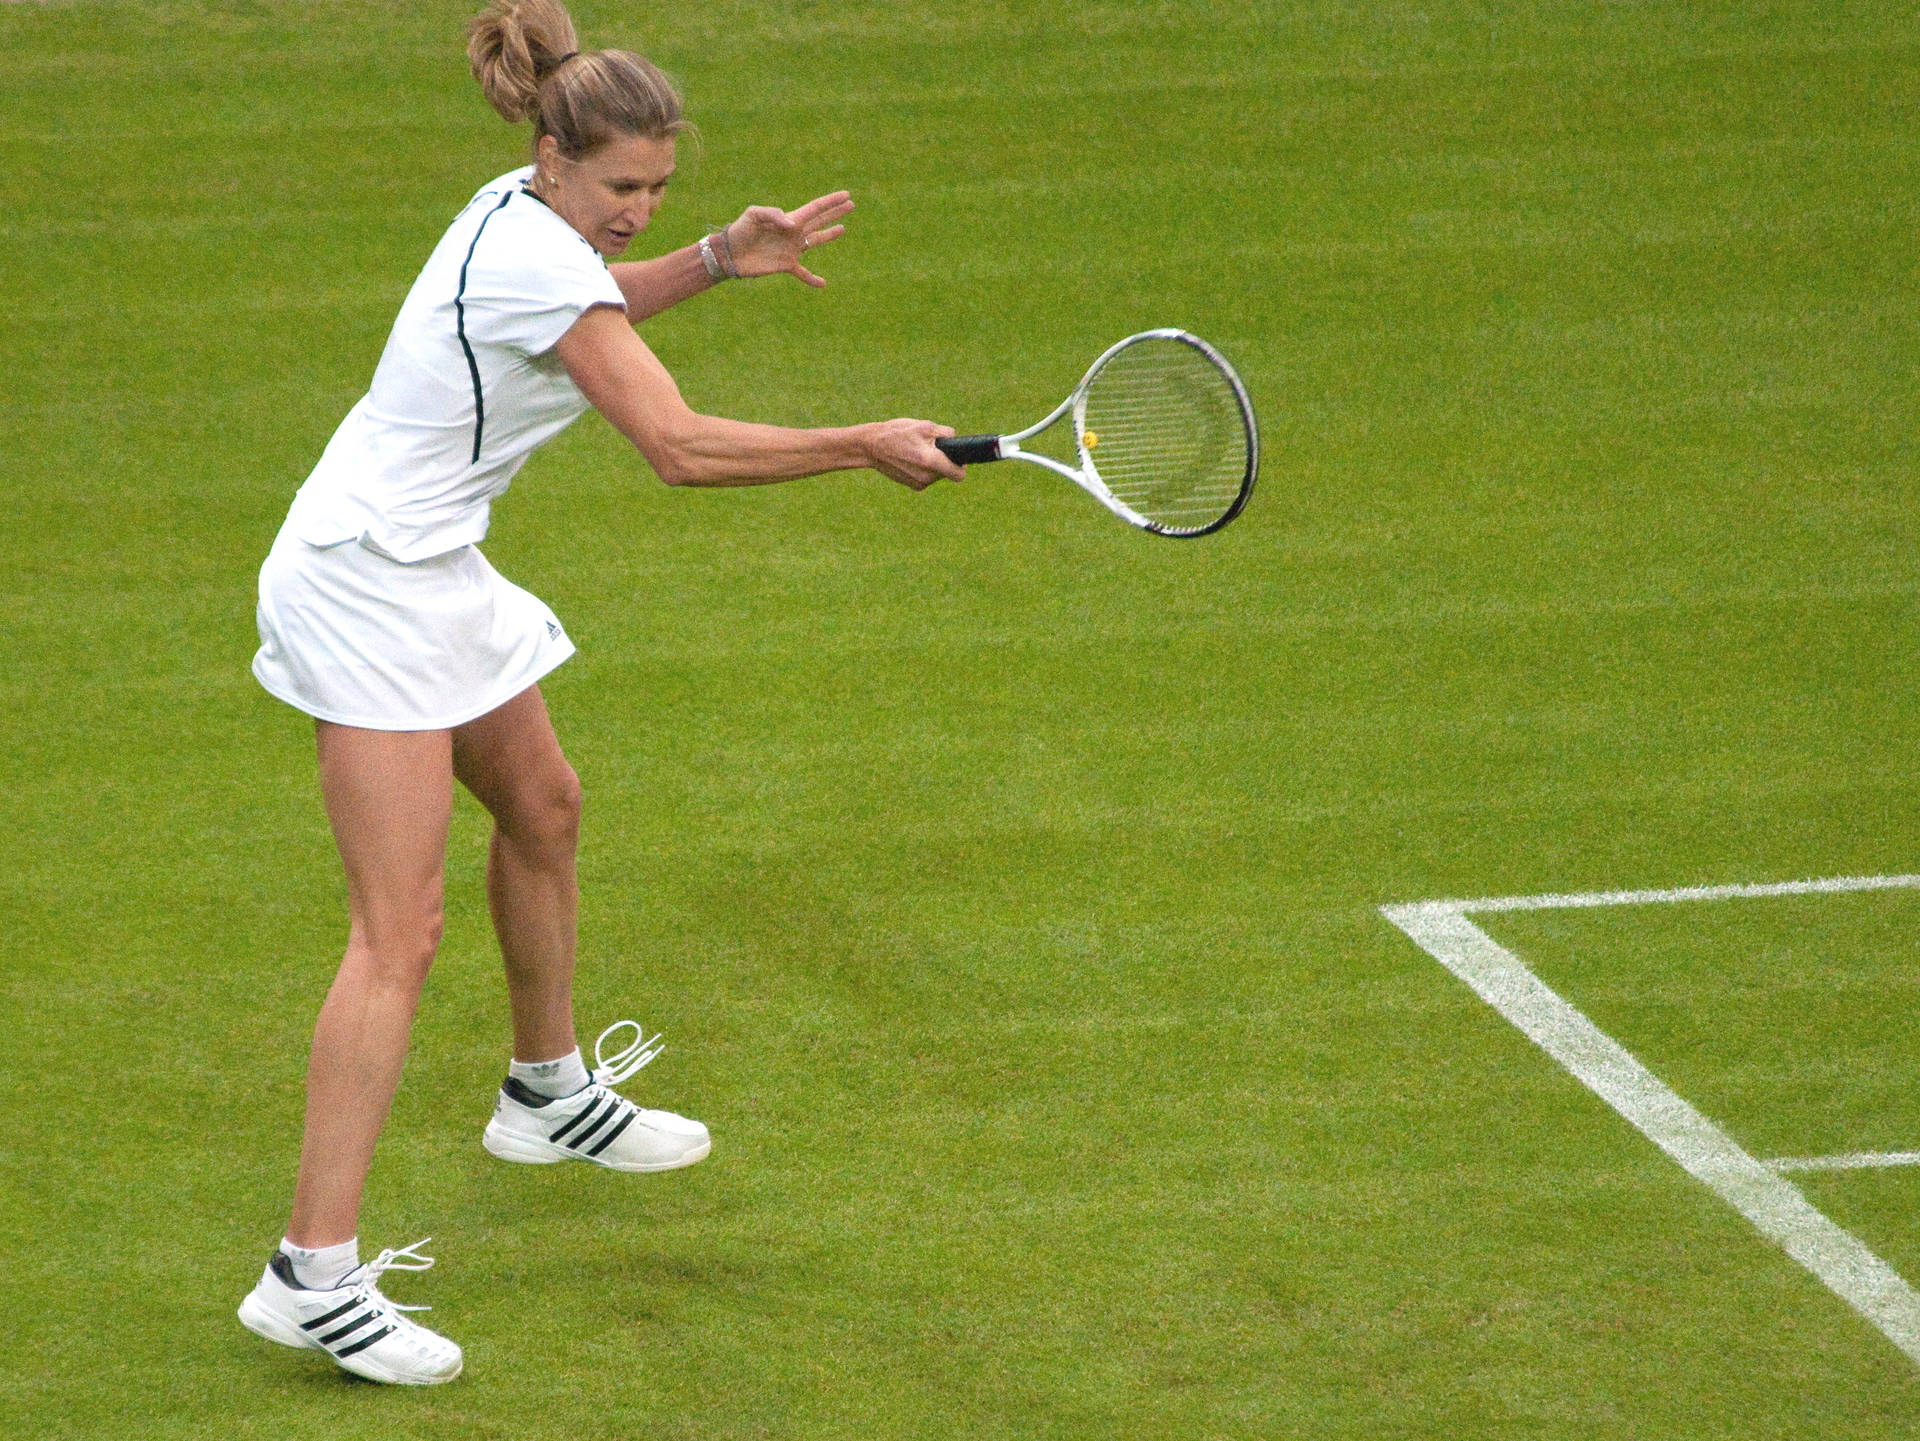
[{"x": 970, "y": 449}]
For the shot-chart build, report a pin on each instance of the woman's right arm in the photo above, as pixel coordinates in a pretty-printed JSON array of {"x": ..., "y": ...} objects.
[{"x": 626, "y": 382}]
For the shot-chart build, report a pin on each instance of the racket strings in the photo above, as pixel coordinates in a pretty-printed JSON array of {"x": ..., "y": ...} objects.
[{"x": 1165, "y": 430}]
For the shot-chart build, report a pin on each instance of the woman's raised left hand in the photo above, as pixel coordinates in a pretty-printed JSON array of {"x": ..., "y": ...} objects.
[{"x": 769, "y": 241}]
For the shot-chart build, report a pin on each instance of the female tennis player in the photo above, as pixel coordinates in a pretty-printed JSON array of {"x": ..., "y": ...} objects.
[{"x": 420, "y": 664}]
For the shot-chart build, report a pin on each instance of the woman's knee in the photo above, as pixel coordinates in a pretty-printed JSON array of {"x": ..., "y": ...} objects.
[
  {"x": 398, "y": 950},
  {"x": 547, "y": 814}
]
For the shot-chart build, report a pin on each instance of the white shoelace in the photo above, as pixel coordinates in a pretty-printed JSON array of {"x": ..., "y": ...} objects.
[
  {"x": 407, "y": 1258},
  {"x": 611, "y": 1070}
]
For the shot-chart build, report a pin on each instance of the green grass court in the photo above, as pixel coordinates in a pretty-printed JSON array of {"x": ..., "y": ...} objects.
[{"x": 1006, "y": 882}]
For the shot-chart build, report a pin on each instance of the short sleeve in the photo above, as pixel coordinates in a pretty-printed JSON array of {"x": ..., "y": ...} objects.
[{"x": 530, "y": 276}]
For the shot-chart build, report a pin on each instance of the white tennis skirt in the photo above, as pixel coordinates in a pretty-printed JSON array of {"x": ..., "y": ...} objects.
[{"x": 350, "y": 635}]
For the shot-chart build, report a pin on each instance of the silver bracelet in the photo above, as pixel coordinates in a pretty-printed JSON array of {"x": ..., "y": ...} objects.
[
  {"x": 708, "y": 259},
  {"x": 726, "y": 254}
]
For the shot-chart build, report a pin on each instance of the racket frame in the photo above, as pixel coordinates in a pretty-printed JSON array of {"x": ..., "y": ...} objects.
[{"x": 1087, "y": 475}]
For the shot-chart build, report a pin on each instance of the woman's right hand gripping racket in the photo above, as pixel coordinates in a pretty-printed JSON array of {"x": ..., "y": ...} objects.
[{"x": 1163, "y": 430}]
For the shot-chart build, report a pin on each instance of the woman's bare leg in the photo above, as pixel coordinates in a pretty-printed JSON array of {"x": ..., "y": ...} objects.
[
  {"x": 511, "y": 760},
  {"x": 389, "y": 796}
]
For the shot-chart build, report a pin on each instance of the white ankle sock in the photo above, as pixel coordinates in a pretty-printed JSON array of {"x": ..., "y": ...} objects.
[
  {"x": 322, "y": 1267},
  {"x": 552, "y": 1078}
]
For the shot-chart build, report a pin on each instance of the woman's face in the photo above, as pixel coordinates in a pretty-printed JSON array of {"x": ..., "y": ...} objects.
[{"x": 610, "y": 194}]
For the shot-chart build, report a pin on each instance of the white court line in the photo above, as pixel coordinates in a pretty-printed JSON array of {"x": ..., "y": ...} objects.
[
  {"x": 1774, "y": 1206},
  {"x": 1852, "y": 1161},
  {"x": 1838, "y": 885}
]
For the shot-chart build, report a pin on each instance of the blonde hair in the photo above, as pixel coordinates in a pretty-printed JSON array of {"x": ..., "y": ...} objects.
[{"x": 528, "y": 61}]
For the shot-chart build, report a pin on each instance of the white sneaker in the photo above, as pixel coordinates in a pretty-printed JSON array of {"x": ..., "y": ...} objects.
[
  {"x": 595, "y": 1124},
  {"x": 353, "y": 1323}
]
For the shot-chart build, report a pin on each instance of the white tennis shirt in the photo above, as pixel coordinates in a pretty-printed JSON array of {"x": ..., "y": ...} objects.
[{"x": 468, "y": 385}]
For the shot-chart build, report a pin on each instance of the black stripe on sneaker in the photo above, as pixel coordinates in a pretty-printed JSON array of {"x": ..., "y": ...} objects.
[
  {"x": 585, "y": 1112},
  {"x": 334, "y": 1315},
  {"x": 364, "y": 1342},
  {"x": 612, "y": 1110},
  {"x": 347, "y": 1330},
  {"x": 613, "y": 1135}
]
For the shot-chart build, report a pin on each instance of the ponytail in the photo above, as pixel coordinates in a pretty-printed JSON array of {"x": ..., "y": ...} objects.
[{"x": 527, "y": 59}]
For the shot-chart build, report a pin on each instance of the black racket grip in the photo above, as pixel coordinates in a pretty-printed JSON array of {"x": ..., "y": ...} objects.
[{"x": 970, "y": 449}]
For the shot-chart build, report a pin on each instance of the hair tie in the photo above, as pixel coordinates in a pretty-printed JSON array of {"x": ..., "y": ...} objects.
[{"x": 571, "y": 54}]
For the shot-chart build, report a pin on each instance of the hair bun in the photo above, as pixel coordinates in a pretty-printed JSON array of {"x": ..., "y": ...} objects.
[{"x": 513, "y": 45}]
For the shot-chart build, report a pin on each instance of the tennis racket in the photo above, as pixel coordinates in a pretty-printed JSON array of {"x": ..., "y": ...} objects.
[{"x": 1163, "y": 432}]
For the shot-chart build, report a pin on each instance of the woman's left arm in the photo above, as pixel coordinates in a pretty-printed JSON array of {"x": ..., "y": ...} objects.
[{"x": 763, "y": 241}]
